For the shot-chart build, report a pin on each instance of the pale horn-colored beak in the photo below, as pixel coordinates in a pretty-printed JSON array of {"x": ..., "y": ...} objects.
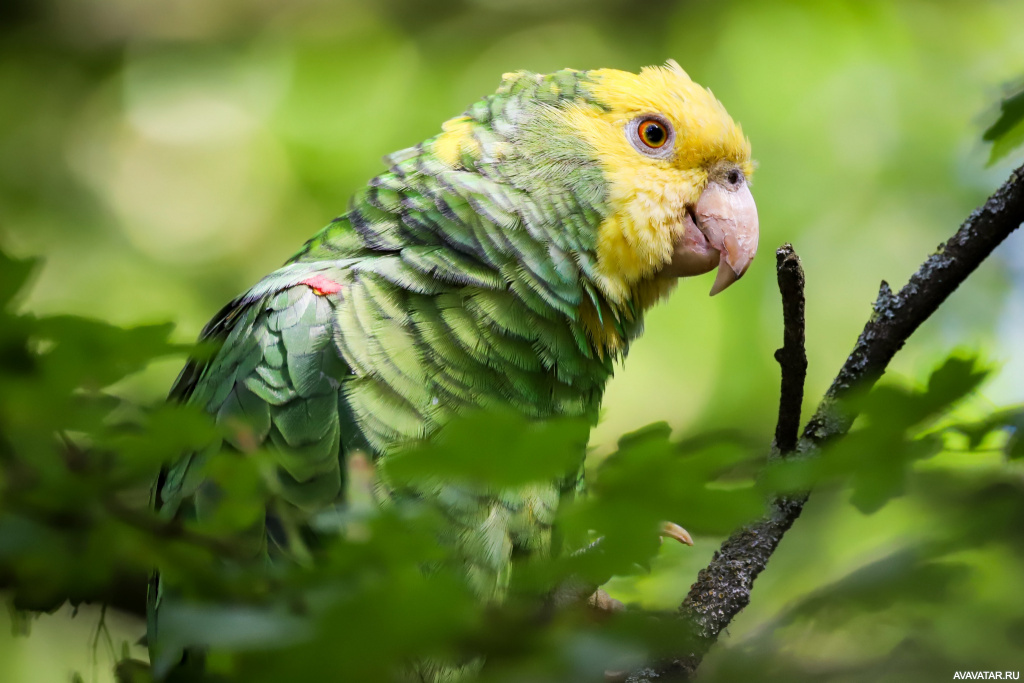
[
  {"x": 728, "y": 218},
  {"x": 722, "y": 231}
]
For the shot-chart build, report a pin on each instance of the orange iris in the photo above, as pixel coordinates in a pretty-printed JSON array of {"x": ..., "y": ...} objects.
[{"x": 652, "y": 132}]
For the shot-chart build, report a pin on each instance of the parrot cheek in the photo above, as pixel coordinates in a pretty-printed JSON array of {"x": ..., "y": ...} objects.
[{"x": 691, "y": 254}]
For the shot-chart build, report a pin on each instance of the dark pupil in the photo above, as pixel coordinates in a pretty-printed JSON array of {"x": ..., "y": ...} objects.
[{"x": 654, "y": 133}]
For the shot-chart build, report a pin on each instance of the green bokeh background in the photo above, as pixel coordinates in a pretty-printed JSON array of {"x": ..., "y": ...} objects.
[{"x": 163, "y": 156}]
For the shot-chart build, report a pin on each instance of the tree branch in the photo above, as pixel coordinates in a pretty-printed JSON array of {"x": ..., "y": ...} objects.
[
  {"x": 896, "y": 316},
  {"x": 723, "y": 587}
]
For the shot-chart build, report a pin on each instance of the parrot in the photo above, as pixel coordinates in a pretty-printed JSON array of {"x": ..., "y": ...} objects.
[{"x": 505, "y": 263}]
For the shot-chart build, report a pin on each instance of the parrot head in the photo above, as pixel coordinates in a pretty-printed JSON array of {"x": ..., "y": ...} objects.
[
  {"x": 677, "y": 171},
  {"x": 657, "y": 156}
]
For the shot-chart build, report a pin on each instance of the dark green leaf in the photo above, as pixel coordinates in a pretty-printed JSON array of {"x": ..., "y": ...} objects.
[
  {"x": 955, "y": 378},
  {"x": 498, "y": 449},
  {"x": 1007, "y": 133}
]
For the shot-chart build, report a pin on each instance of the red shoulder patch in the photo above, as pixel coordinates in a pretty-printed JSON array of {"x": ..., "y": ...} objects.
[{"x": 321, "y": 285}]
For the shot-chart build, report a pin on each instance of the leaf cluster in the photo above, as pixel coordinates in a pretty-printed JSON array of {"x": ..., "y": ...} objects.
[{"x": 359, "y": 592}]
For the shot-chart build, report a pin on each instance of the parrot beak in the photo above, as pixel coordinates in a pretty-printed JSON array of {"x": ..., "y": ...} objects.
[{"x": 721, "y": 230}]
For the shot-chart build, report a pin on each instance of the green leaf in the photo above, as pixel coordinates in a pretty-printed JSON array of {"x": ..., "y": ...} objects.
[
  {"x": 92, "y": 354},
  {"x": 651, "y": 480},
  {"x": 1007, "y": 133},
  {"x": 958, "y": 375},
  {"x": 182, "y": 625},
  {"x": 233, "y": 496},
  {"x": 162, "y": 435},
  {"x": 1009, "y": 421},
  {"x": 903, "y": 576},
  {"x": 497, "y": 449}
]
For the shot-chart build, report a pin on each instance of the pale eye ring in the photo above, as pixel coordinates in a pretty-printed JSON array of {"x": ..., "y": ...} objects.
[{"x": 652, "y": 135}]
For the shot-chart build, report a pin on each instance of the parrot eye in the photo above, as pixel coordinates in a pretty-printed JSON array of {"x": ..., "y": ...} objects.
[{"x": 651, "y": 135}]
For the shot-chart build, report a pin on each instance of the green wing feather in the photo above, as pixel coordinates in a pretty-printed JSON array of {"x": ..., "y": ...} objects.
[{"x": 275, "y": 379}]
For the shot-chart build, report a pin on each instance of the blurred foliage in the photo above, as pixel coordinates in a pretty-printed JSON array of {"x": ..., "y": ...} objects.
[
  {"x": 163, "y": 156},
  {"x": 373, "y": 594},
  {"x": 75, "y": 465}
]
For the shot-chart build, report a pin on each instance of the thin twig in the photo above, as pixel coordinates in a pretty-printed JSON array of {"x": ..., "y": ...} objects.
[
  {"x": 792, "y": 357},
  {"x": 726, "y": 581}
]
